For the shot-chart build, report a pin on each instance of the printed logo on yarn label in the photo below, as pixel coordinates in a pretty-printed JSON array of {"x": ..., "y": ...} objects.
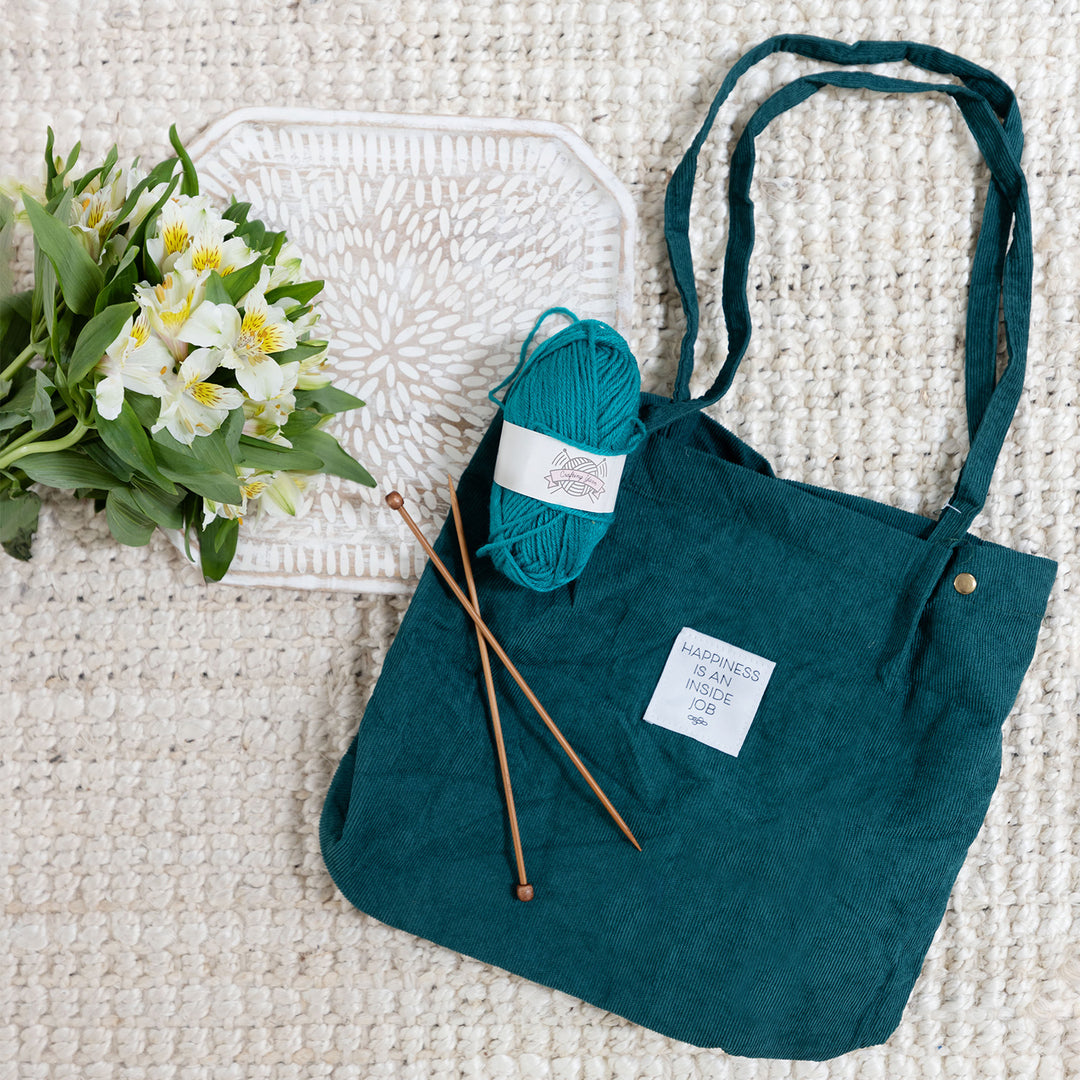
[
  {"x": 534, "y": 464},
  {"x": 709, "y": 690},
  {"x": 577, "y": 476}
]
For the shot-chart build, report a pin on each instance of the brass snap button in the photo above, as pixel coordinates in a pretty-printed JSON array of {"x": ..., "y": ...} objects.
[{"x": 964, "y": 583}]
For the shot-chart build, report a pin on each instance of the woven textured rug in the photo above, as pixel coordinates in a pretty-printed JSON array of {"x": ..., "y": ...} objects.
[{"x": 165, "y": 746}]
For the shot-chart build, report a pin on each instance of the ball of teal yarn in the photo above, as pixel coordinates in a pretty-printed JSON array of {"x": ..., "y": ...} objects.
[{"x": 581, "y": 385}]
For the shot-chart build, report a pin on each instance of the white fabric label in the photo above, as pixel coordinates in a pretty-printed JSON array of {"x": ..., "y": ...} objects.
[
  {"x": 709, "y": 690},
  {"x": 555, "y": 472}
]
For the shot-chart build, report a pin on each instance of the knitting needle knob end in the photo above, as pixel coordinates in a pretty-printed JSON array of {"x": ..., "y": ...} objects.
[
  {"x": 394, "y": 500},
  {"x": 525, "y": 892}
]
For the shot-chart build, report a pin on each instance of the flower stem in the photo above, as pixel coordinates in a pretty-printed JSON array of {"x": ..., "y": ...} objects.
[
  {"x": 13, "y": 453},
  {"x": 31, "y": 436},
  {"x": 19, "y": 360}
]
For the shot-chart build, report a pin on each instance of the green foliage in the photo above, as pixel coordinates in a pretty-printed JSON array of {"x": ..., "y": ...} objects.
[
  {"x": 54, "y": 335},
  {"x": 18, "y": 521},
  {"x": 80, "y": 277},
  {"x": 96, "y": 336},
  {"x": 334, "y": 459},
  {"x": 327, "y": 400},
  {"x": 217, "y": 546},
  {"x": 128, "y": 440},
  {"x": 190, "y": 185}
]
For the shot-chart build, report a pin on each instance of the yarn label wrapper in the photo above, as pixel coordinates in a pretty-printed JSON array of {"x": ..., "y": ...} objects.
[
  {"x": 709, "y": 690},
  {"x": 557, "y": 472}
]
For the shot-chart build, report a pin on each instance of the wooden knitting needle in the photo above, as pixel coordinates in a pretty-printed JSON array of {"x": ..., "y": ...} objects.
[
  {"x": 396, "y": 502},
  {"x": 524, "y": 890}
]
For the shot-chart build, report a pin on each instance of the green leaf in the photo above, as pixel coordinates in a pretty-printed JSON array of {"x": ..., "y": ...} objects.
[
  {"x": 197, "y": 477},
  {"x": 162, "y": 171},
  {"x": 211, "y": 450},
  {"x": 127, "y": 439},
  {"x": 137, "y": 238},
  {"x": 50, "y": 162},
  {"x": 45, "y": 296},
  {"x": 41, "y": 410},
  {"x": 300, "y": 420},
  {"x": 68, "y": 469},
  {"x": 216, "y": 292},
  {"x": 15, "y": 313},
  {"x": 80, "y": 277},
  {"x": 260, "y": 454},
  {"x": 335, "y": 460},
  {"x": 18, "y": 521},
  {"x": 59, "y": 339},
  {"x": 327, "y": 399},
  {"x": 102, "y": 170},
  {"x": 217, "y": 546},
  {"x": 303, "y": 350},
  {"x": 190, "y": 185},
  {"x": 120, "y": 282},
  {"x": 126, "y": 520},
  {"x": 145, "y": 407},
  {"x": 237, "y": 211},
  {"x": 192, "y": 506},
  {"x": 231, "y": 431},
  {"x": 71, "y": 159},
  {"x": 96, "y": 336},
  {"x": 275, "y": 247},
  {"x": 15, "y": 308},
  {"x": 97, "y": 451},
  {"x": 302, "y": 292},
  {"x": 253, "y": 233},
  {"x": 31, "y": 403},
  {"x": 242, "y": 281},
  {"x": 164, "y": 510},
  {"x": 160, "y": 174}
]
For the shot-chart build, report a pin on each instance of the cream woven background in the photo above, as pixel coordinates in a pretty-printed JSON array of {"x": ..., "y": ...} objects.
[{"x": 165, "y": 747}]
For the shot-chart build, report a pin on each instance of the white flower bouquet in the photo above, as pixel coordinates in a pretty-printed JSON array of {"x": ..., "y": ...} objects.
[{"x": 164, "y": 363}]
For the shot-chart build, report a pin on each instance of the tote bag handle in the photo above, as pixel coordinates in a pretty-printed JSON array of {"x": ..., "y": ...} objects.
[{"x": 982, "y": 99}]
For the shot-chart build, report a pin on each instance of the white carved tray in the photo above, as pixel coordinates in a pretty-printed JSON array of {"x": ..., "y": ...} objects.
[{"x": 441, "y": 240}]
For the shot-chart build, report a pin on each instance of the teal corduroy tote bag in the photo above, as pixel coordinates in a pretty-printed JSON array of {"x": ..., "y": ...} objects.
[{"x": 794, "y": 696}]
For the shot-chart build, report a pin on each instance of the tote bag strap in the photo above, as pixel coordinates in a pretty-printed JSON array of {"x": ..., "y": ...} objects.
[{"x": 982, "y": 99}]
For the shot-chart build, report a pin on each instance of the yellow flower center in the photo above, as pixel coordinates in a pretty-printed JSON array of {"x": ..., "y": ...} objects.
[
  {"x": 94, "y": 208},
  {"x": 140, "y": 331},
  {"x": 206, "y": 258},
  {"x": 205, "y": 393},
  {"x": 175, "y": 318},
  {"x": 175, "y": 236},
  {"x": 257, "y": 336}
]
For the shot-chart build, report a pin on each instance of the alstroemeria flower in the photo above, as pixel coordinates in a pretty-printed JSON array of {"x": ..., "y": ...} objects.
[
  {"x": 169, "y": 305},
  {"x": 95, "y": 209},
  {"x": 252, "y": 484},
  {"x": 192, "y": 405},
  {"x": 246, "y": 343},
  {"x": 263, "y": 418},
  {"x": 147, "y": 199},
  {"x": 136, "y": 361},
  {"x": 283, "y": 495},
  {"x": 313, "y": 375},
  {"x": 181, "y": 219},
  {"x": 209, "y": 250},
  {"x": 287, "y": 267}
]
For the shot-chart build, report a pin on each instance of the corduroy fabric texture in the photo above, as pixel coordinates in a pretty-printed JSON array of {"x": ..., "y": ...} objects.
[{"x": 786, "y": 897}]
